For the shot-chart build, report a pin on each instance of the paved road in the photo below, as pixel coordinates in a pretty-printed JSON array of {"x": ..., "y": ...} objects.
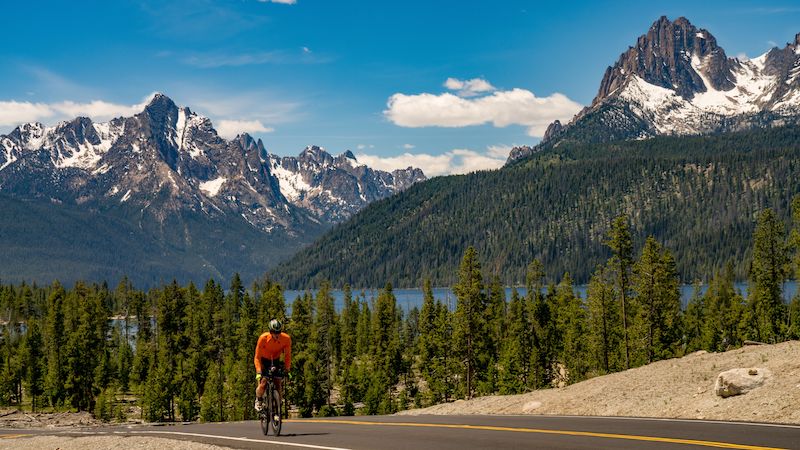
[{"x": 476, "y": 432}]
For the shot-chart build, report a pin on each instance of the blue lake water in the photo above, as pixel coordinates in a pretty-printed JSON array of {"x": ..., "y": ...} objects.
[{"x": 407, "y": 299}]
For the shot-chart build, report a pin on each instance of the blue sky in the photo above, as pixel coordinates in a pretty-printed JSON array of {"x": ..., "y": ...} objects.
[{"x": 448, "y": 86}]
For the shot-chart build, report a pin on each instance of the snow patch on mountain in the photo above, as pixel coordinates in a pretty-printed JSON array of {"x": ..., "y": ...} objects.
[
  {"x": 293, "y": 187},
  {"x": 212, "y": 187}
]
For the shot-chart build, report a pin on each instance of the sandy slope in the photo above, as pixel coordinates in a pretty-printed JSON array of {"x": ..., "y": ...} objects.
[{"x": 676, "y": 388}]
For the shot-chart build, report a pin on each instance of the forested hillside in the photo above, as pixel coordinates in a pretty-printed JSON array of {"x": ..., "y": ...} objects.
[{"x": 699, "y": 196}]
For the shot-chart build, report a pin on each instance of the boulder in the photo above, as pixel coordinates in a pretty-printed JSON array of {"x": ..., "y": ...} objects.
[{"x": 740, "y": 381}]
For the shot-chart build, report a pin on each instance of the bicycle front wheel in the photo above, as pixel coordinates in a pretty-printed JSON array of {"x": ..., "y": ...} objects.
[
  {"x": 275, "y": 413},
  {"x": 264, "y": 421}
]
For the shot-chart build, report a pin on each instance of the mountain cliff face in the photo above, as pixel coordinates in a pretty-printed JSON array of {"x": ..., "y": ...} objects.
[
  {"x": 167, "y": 174},
  {"x": 676, "y": 80}
]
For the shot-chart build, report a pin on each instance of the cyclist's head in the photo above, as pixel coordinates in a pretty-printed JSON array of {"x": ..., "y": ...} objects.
[{"x": 275, "y": 326}]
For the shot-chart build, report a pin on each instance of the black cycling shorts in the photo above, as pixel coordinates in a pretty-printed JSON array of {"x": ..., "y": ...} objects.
[{"x": 267, "y": 363}]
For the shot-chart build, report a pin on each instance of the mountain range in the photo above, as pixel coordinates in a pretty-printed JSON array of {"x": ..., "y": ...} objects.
[{"x": 166, "y": 177}]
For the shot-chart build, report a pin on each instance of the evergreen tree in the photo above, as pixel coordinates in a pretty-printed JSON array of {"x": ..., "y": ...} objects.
[
  {"x": 768, "y": 272},
  {"x": 571, "y": 325},
  {"x": 385, "y": 348},
  {"x": 605, "y": 322},
  {"x": 54, "y": 344},
  {"x": 655, "y": 325},
  {"x": 694, "y": 321},
  {"x": 542, "y": 328},
  {"x": 326, "y": 337},
  {"x": 33, "y": 362},
  {"x": 724, "y": 315},
  {"x": 621, "y": 244},
  {"x": 516, "y": 349},
  {"x": 470, "y": 324}
]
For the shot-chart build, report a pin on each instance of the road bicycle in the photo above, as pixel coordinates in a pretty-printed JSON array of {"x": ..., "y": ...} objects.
[{"x": 270, "y": 414}]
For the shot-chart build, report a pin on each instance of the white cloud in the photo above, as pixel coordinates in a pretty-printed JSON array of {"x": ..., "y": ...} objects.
[
  {"x": 469, "y": 88},
  {"x": 456, "y": 161},
  {"x": 14, "y": 113},
  {"x": 408, "y": 146},
  {"x": 285, "y": 2},
  {"x": 500, "y": 108},
  {"x": 230, "y": 128}
]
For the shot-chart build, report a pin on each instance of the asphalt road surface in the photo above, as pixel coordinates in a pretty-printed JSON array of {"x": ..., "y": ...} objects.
[{"x": 471, "y": 432}]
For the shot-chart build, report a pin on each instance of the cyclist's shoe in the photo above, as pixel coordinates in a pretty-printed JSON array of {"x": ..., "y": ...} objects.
[{"x": 259, "y": 404}]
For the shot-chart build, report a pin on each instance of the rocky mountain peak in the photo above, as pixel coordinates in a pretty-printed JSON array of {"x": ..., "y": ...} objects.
[
  {"x": 674, "y": 55},
  {"x": 677, "y": 80},
  {"x": 161, "y": 110},
  {"x": 315, "y": 156}
]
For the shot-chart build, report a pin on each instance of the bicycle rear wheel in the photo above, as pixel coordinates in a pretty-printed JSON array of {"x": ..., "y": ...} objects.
[{"x": 275, "y": 413}]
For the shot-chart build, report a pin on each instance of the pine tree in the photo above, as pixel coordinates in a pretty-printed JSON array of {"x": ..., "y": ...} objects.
[
  {"x": 542, "y": 327},
  {"x": 768, "y": 272},
  {"x": 326, "y": 337},
  {"x": 385, "y": 346},
  {"x": 54, "y": 343},
  {"x": 605, "y": 322},
  {"x": 694, "y": 321},
  {"x": 658, "y": 304},
  {"x": 33, "y": 362},
  {"x": 516, "y": 349},
  {"x": 470, "y": 325},
  {"x": 212, "y": 401},
  {"x": 571, "y": 325},
  {"x": 621, "y": 244},
  {"x": 725, "y": 310}
]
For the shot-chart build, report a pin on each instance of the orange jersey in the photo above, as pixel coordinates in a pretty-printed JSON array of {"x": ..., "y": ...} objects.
[{"x": 271, "y": 347}]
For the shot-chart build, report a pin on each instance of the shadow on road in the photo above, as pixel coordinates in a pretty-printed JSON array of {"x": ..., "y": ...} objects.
[{"x": 303, "y": 434}]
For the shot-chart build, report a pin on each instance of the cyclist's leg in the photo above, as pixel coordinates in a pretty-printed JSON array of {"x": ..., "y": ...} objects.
[
  {"x": 279, "y": 388},
  {"x": 262, "y": 385}
]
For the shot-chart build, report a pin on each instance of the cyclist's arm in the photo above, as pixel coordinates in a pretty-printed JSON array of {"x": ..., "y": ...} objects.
[
  {"x": 257, "y": 358},
  {"x": 287, "y": 355}
]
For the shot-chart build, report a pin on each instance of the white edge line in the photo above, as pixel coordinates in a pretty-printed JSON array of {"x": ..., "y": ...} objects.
[
  {"x": 658, "y": 419},
  {"x": 230, "y": 438}
]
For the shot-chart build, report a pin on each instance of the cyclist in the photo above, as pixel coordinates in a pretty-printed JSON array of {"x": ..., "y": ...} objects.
[{"x": 269, "y": 348}]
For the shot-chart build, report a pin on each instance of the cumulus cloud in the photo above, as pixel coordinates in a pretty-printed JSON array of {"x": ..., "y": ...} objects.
[
  {"x": 500, "y": 108},
  {"x": 231, "y": 128},
  {"x": 408, "y": 146},
  {"x": 469, "y": 88},
  {"x": 456, "y": 161},
  {"x": 14, "y": 113}
]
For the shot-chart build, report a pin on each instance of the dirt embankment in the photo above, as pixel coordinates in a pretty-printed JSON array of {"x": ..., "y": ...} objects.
[{"x": 674, "y": 388}]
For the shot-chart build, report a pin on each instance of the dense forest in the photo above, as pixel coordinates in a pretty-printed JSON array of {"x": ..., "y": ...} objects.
[
  {"x": 699, "y": 196},
  {"x": 183, "y": 353}
]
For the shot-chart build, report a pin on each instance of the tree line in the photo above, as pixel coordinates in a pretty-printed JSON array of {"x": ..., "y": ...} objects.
[{"x": 178, "y": 352}]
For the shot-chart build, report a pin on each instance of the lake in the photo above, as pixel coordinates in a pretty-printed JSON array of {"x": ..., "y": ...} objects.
[{"x": 407, "y": 299}]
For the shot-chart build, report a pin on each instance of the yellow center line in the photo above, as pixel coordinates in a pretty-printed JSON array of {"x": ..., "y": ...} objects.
[
  {"x": 542, "y": 431},
  {"x": 13, "y": 436}
]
